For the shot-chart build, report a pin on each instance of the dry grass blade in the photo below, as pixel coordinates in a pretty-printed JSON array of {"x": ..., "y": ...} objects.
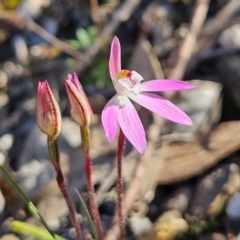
[{"x": 122, "y": 14}]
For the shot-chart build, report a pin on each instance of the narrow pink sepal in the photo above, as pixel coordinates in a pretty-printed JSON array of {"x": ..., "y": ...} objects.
[
  {"x": 81, "y": 110},
  {"x": 162, "y": 107},
  {"x": 115, "y": 58},
  {"x": 165, "y": 85},
  {"x": 73, "y": 78},
  {"x": 48, "y": 114},
  {"x": 110, "y": 118},
  {"x": 131, "y": 126}
]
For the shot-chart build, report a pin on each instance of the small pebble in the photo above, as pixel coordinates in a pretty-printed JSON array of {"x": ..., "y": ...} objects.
[
  {"x": 6, "y": 141},
  {"x": 140, "y": 225},
  {"x": 230, "y": 37},
  {"x": 233, "y": 207}
]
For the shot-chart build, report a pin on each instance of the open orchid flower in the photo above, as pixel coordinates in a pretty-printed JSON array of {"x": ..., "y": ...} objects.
[{"x": 129, "y": 85}]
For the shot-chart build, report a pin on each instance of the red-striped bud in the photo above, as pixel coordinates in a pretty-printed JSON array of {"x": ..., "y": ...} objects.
[
  {"x": 48, "y": 112},
  {"x": 81, "y": 110}
]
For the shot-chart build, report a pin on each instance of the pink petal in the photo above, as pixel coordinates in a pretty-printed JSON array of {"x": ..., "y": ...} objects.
[
  {"x": 162, "y": 107},
  {"x": 110, "y": 118},
  {"x": 115, "y": 58},
  {"x": 131, "y": 126},
  {"x": 81, "y": 109},
  {"x": 165, "y": 85},
  {"x": 73, "y": 78}
]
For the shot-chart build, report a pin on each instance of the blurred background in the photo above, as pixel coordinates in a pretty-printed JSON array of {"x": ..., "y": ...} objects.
[{"x": 187, "y": 185}]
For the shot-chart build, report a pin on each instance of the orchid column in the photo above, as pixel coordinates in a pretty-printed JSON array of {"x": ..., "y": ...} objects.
[
  {"x": 49, "y": 121},
  {"x": 120, "y": 110},
  {"x": 81, "y": 112}
]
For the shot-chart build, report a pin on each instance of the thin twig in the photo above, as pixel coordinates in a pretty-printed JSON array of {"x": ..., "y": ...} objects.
[
  {"x": 53, "y": 40},
  {"x": 30, "y": 24},
  {"x": 122, "y": 14},
  {"x": 209, "y": 34},
  {"x": 221, "y": 20},
  {"x": 188, "y": 45},
  {"x": 95, "y": 13}
]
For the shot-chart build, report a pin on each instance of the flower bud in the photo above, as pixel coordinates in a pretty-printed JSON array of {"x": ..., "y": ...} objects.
[
  {"x": 81, "y": 110},
  {"x": 48, "y": 112}
]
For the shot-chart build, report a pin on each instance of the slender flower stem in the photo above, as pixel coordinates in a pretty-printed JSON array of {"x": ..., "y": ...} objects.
[
  {"x": 121, "y": 221},
  {"x": 85, "y": 134},
  {"x": 54, "y": 155}
]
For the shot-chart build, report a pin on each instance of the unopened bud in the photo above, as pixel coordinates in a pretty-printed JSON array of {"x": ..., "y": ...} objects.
[
  {"x": 81, "y": 110},
  {"x": 48, "y": 112}
]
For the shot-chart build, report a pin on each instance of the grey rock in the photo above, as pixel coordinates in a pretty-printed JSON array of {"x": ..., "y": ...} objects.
[
  {"x": 230, "y": 37},
  {"x": 233, "y": 207},
  {"x": 32, "y": 8},
  {"x": 71, "y": 132},
  {"x": 140, "y": 225},
  {"x": 35, "y": 174},
  {"x": 20, "y": 48},
  {"x": 6, "y": 141},
  {"x": 34, "y": 158},
  {"x": 202, "y": 104},
  {"x": 214, "y": 189}
]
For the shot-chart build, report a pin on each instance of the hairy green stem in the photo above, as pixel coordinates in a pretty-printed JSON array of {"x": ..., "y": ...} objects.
[{"x": 54, "y": 155}]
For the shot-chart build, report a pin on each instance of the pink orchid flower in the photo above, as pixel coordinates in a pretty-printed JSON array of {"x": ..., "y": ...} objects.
[{"x": 129, "y": 85}]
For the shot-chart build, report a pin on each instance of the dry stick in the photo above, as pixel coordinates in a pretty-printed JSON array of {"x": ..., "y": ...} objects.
[
  {"x": 30, "y": 24},
  {"x": 213, "y": 28},
  {"x": 122, "y": 14},
  {"x": 188, "y": 45},
  {"x": 53, "y": 40},
  {"x": 95, "y": 13},
  {"x": 221, "y": 20}
]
